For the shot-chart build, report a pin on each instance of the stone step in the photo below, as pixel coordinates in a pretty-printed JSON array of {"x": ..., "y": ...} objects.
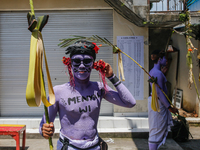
[
  {"x": 108, "y": 127},
  {"x": 112, "y": 124},
  {"x": 106, "y": 123}
]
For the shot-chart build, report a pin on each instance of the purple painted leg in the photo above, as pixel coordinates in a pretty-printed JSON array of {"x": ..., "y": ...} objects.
[{"x": 153, "y": 146}]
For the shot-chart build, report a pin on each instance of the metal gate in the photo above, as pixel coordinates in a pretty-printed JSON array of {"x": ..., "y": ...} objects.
[{"x": 15, "y": 45}]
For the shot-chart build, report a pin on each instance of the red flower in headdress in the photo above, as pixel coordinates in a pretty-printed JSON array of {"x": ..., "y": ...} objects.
[
  {"x": 66, "y": 61},
  {"x": 96, "y": 48},
  {"x": 99, "y": 65}
]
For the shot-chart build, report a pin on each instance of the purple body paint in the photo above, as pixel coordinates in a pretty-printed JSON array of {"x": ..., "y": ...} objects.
[{"x": 79, "y": 108}]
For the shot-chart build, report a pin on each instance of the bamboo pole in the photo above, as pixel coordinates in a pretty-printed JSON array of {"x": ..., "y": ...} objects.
[{"x": 148, "y": 74}]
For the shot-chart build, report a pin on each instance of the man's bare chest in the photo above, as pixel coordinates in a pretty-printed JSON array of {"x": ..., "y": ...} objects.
[{"x": 79, "y": 103}]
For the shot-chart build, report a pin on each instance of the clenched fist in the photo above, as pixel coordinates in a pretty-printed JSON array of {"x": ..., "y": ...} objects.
[{"x": 47, "y": 130}]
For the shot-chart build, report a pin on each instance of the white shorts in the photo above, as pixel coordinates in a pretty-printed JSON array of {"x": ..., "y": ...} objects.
[{"x": 83, "y": 144}]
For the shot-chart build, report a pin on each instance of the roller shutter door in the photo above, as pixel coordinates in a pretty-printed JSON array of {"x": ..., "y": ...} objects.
[{"x": 14, "y": 53}]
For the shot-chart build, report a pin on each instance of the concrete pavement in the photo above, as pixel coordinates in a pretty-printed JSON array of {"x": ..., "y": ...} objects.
[
  {"x": 36, "y": 142},
  {"x": 116, "y": 141},
  {"x": 136, "y": 142},
  {"x": 113, "y": 144}
]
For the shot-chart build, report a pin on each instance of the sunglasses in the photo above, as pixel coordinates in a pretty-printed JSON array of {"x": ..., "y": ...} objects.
[{"x": 86, "y": 61}]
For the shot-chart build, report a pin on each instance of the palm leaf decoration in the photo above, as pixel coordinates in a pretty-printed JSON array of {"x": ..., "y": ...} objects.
[
  {"x": 106, "y": 42},
  {"x": 96, "y": 39}
]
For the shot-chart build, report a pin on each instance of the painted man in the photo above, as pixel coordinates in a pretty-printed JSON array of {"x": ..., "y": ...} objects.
[
  {"x": 159, "y": 121},
  {"x": 78, "y": 101}
]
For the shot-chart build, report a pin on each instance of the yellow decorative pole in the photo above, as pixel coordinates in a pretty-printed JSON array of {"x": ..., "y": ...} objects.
[
  {"x": 35, "y": 90},
  {"x": 147, "y": 74}
]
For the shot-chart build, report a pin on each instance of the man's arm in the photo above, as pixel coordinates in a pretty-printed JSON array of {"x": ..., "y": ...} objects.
[
  {"x": 122, "y": 96},
  {"x": 161, "y": 82},
  {"x": 45, "y": 129}
]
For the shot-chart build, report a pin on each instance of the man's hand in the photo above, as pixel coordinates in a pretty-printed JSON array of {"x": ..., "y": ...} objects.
[
  {"x": 47, "y": 130},
  {"x": 108, "y": 70},
  {"x": 103, "y": 67},
  {"x": 173, "y": 110}
]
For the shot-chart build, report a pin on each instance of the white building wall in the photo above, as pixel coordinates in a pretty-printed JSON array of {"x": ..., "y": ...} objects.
[
  {"x": 121, "y": 27},
  {"x": 190, "y": 101}
]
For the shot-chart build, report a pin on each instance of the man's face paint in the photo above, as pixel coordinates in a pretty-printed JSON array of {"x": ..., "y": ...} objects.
[
  {"x": 82, "y": 66},
  {"x": 163, "y": 61}
]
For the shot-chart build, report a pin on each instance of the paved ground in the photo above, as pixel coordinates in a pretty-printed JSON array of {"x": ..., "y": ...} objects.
[
  {"x": 114, "y": 143},
  {"x": 192, "y": 143}
]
